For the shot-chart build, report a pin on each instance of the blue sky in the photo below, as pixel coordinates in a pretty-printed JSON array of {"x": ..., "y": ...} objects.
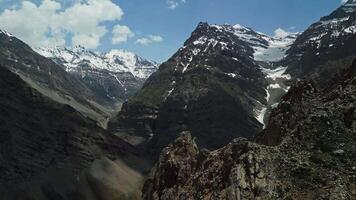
[{"x": 154, "y": 29}]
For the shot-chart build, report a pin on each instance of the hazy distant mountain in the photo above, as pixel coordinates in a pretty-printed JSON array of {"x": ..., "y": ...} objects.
[
  {"x": 115, "y": 75},
  {"x": 114, "y": 61},
  {"x": 51, "y": 79}
]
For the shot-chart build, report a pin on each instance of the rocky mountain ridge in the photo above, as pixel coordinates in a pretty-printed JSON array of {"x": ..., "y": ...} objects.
[
  {"x": 324, "y": 45},
  {"x": 306, "y": 152},
  {"x": 221, "y": 63},
  {"x": 50, "y": 151},
  {"x": 51, "y": 79},
  {"x": 212, "y": 86}
]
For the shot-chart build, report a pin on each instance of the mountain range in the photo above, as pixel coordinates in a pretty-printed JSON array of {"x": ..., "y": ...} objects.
[
  {"x": 233, "y": 114},
  {"x": 95, "y": 85},
  {"x": 114, "y": 76},
  {"x": 219, "y": 85},
  {"x": 226, "y": 78}
]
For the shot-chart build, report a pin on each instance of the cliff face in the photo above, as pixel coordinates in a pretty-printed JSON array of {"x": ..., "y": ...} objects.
[
  {"x": 306, "y": 152},
  {"x": 49, "y": 151}
]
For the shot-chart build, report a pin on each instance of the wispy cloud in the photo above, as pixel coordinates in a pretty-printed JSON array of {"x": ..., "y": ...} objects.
[
  {"x": 344, "y": 1},
  {"x": 51, "y": 23},
  {"x": 149, "y": 40},
  {"x": 173, "y": 4},
  {"x": 121, "y": 34}
]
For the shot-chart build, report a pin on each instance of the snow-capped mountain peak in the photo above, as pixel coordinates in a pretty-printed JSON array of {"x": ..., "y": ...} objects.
[
  {"x": 138, "y": 66},
  {"x": 114, "y": 61},
  {"x": 266, "y": 48}
]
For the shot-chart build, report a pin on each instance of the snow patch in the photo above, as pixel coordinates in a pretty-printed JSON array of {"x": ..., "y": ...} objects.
[
  {"x": 350, "y": 29},
  {"x": 268, "y": 96},
  {"x": 200, "y": 41},
  {"x": 185, "y": 66},
  {"x": 232, "y": 75},
  {"x": 6, "y": 33},
  {"x": 171, "y": 90},
  {"x": 275, "y": 85},
  {"x": 276, "y": 73},
  {"x": 260, "y": 115},
  {"x": 276, "y": 48}
]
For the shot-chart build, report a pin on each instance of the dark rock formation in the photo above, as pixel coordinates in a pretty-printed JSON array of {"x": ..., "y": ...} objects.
[
  {"x": 46, "y": 147},
  {"x": 211, "y": 87},
  {"x": 307, "y": 152},
  {"x": 51, "y": 79}
]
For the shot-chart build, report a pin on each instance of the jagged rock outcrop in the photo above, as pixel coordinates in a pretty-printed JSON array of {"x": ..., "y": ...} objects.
[
  {"x": 306, "y": 152},
  {"x": 46, "y": 148},
  {"x": 51, "y": 79}
]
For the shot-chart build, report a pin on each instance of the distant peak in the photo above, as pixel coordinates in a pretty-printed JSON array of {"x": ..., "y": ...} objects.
[
  {"x": 280, "y": 33},
  {"x": 239, "y": 26},
  {"x": 203, "y": 24}
]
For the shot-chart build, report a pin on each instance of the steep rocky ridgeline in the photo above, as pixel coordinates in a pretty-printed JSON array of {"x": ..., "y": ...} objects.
[
  {"x": 307, "y": 151},
  {"x": 114, "y": 76},
  {"x": 51, "y": 79},
  {"x": 325, "y": 47},
  {"x": 50, "y": 151},
  {"x": 212, "y": 86},
  {"x": 225, "y": 80}
]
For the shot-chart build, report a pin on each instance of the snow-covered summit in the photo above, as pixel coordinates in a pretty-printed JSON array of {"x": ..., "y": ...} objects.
[
  {"x": 114, "y": 61},
  {"x": 137, "y": 65},
  {"x": 266, "y": 48}
]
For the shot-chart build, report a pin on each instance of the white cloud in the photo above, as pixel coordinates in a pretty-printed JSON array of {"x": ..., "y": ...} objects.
[
  {"x": 121, "y": 34},
  {"x": 173, "y": 4},
  {"x": 280, "y": 33},
  {"x": 344, "y": 1},
  {"x": 149, "y": 39},
  {"x": 48, "y": 24}
]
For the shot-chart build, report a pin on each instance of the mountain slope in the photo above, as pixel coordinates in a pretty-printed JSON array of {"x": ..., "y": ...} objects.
[
  {"x": 53, "y": 81},
  {"x": 326, "y": 44},
  {"x": 212, "y": 86},
  {"x": 50, "y": 151},
  {"x": 312, "y": 134}
]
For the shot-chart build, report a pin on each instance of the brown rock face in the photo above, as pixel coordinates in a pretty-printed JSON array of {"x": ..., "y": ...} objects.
[
  {"x": 307, "y": 152},
  {"x": 237, "y": 171}
]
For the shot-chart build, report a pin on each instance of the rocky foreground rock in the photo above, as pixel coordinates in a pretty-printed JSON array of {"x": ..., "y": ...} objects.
[{"x": 307, "y": 152}]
